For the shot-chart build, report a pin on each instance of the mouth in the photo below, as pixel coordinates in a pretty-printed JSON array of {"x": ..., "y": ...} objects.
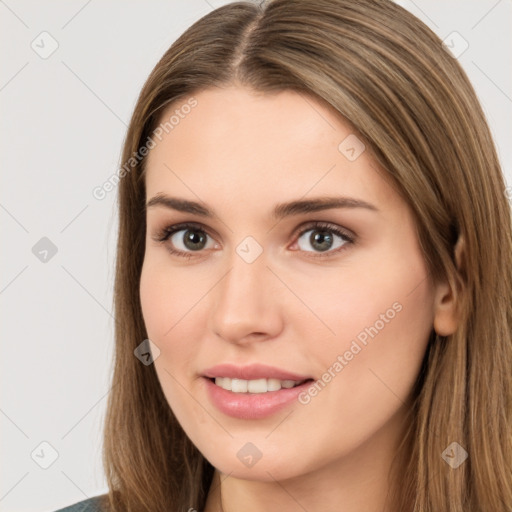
[
  {"x": 255, "y": 386},
  {"x": 255, "y": 371},
  {"x": 253, "y": 399}
]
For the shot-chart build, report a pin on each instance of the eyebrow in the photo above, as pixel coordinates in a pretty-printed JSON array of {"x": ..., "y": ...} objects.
[{"x": 280, "y": 210}]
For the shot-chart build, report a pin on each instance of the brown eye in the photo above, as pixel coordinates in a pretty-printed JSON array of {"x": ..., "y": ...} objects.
[
  {"x": 192, "y": 239},
  {"x": 323, "y": 238},
  {"x": 184, "y": 239}
]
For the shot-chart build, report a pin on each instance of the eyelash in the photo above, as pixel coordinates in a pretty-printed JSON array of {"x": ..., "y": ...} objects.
[{"x": 164, "y": 234}]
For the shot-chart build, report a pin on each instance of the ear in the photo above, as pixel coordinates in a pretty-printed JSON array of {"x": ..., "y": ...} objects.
[{"x": 446, "y": 318}]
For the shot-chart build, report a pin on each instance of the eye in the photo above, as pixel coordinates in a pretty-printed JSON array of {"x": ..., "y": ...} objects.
[
  {"x": 325, "y": 239},
  {"x": 187, "y": 237}
]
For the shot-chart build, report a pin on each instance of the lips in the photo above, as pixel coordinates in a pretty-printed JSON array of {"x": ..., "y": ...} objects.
[
  {"x": 248, "y": 406},
  {"x": 252, "y": 372}
]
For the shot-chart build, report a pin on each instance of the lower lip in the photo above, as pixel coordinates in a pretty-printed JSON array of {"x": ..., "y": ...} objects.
[{"x": 252, "y": 406}]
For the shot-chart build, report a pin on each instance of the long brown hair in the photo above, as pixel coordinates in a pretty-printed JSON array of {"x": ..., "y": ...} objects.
[{"x": 410, "y": 101}]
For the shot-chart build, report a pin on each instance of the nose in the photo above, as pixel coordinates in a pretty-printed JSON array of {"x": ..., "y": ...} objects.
[{"x": 246, "y": 305}]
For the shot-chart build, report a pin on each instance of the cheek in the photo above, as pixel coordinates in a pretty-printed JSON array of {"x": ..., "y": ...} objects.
[
  {"x": 166, "y": 295},
  {"x": 174, "y": 307},
  {"x": 166, "y": 303},
  {"x": 382, "y": 320},
  {"x": 155, "y": 301}
]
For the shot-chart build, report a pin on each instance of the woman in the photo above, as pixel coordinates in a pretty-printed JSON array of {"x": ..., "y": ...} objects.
[{"x": 314, "y": 273}]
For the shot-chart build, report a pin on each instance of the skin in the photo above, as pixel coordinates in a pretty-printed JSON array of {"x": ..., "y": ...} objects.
[{"x": 240, "y": 153}]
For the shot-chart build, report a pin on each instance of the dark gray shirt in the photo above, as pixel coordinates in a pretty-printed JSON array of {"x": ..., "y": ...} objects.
[{"x": 89, "y": 505}]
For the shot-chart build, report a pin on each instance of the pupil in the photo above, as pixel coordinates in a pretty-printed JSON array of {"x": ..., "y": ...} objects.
[
  {"x": 194, "y": 238},
  {"x": 319, "y": 240}
]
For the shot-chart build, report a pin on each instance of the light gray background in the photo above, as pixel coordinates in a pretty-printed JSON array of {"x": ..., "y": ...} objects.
[{"x": 63, "y": 124}]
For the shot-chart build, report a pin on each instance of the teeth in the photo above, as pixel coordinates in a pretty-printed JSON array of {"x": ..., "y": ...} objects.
[{"x": 254, "y": 386}]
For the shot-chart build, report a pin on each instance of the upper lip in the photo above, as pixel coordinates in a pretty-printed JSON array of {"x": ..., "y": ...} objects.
[{"x": 252, "y": 372}]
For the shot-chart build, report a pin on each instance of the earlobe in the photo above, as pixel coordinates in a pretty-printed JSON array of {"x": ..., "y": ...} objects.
[{"x": 446, "y": 314}]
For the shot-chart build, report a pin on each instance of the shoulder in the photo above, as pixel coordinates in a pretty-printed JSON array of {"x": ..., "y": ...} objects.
[{"x": 93, "y": 504}]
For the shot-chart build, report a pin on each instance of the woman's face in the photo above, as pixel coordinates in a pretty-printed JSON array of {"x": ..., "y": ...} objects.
[{"x": 352, "y": 312}]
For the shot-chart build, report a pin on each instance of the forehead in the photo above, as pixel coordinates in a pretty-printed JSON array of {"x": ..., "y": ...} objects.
[
  {"x": 232, "y": 118},
  {"x": 236, "y": 143}
]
